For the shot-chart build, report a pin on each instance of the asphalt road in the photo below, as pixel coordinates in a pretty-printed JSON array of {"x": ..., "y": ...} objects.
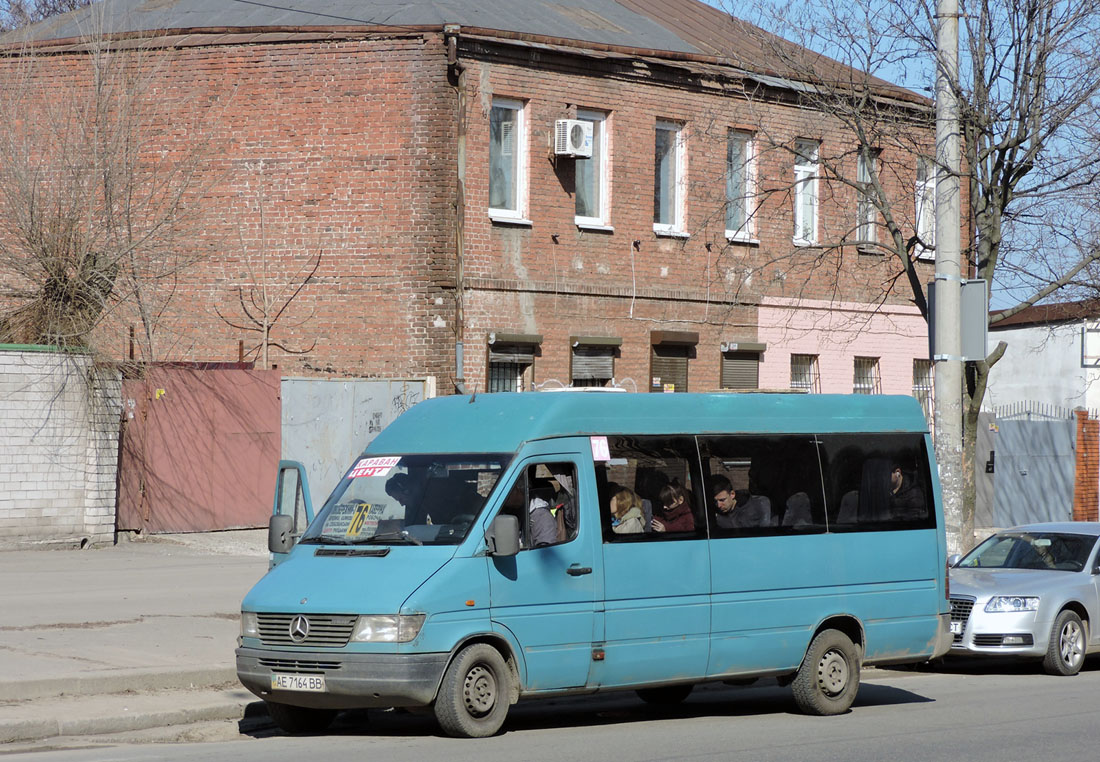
[{"x": 972, "y": 711}]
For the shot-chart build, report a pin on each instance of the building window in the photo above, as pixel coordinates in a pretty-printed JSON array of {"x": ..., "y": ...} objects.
[
  {"x": 593, "y": 360},
  {"x": 922, "y": 386},
  {"x": 511, "y": 361},
  {"x": 866, "y": 163},
  {"x": 592, "y": 176},
  {"x": 738, "y": 186},
  {"x": 668, "y": 178},
  {"x": 507, "y": 159},
  {"x": 866, "y": 377},
  {"x": 804, "y": 374},
  {"x": 926, "y": 209},
  {"x": 740, "y": 370},
  {"x": 805, "y": 192},
  {"x": 668, "y": 360}
]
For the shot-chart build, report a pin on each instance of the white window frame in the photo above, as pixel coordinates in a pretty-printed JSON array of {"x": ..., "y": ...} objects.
[
  {"x": 519, "y": 214},
  {"x": 601, "y": 221},
  {"x": 805, "y": 188},
  {"x": 924, "y": 208},
  {"x": 870, "y": 380},
  {"x": 866, "y": 211},
  {"x": 924, "y": 386},
  {"x": 747, "y": 231},
  {"x": 812, "y": 384},
  {"x": 676, "y": 227}
]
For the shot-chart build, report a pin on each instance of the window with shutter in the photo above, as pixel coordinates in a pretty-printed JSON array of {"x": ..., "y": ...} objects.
[
  {"x": 669, "y": 368},
  {"x": 593, "y": 366},
  {"x": 740, "y": 370}
]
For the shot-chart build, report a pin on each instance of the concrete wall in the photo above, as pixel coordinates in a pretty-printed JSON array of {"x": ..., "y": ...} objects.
[
  {"x": 1043, "y": 364},
  {"x": 59, "y": 423}
]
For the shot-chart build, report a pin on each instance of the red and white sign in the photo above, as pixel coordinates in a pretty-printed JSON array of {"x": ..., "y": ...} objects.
[{"x": 374, "y": 467}]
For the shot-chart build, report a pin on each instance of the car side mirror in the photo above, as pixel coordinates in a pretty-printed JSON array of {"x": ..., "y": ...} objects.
[
  {"x": 280, "y": 533},
  {"x": 953, "y": 559},
  {"x": 503, "y": 536}
]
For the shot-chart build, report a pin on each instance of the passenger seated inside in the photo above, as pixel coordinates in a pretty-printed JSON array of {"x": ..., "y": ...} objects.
[
  {"x": 906, "y": 497},
  {"x": 797, "y": 513},
  {"x": 627, "y": 514},
  {"x": 738, "y": 509},
  {"x": 674, "y": 515}
]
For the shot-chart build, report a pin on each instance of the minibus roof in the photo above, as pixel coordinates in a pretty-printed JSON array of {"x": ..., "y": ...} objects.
[{"x": 501, "y": 422}]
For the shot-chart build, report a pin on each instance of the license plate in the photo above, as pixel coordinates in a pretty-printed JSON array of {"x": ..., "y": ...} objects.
[
  {"x": 956, "y": 628},
  {"x": 311, "y": 683}
]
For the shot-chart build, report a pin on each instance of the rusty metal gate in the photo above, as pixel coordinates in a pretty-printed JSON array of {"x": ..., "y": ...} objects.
[{"x": 199, "y": 447}]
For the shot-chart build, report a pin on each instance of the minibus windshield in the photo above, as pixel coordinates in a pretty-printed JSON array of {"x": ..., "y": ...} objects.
[{"x": 407, "y": 499}]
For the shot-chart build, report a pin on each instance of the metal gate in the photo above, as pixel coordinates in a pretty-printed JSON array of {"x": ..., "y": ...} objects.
[{"x": 199, "y": 449}]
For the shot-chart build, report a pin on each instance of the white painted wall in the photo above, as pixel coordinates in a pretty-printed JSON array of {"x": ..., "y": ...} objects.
[{"x": 1043, "y": 364}]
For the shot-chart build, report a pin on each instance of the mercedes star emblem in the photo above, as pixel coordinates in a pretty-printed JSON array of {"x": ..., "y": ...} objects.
[{"x": 299, "y": 628}]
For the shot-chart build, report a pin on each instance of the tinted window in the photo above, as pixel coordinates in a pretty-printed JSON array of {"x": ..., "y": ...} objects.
[
  {"x": 876, "y": 481},
  {"x": 762, "y": 485},
  {"x": 650, "y": 489}
]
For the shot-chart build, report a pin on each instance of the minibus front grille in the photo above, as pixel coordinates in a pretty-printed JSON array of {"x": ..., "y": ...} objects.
[
  {"x": 304, "y": 666},
  {"x": 960, "y": 612},
  {"x": 323, "y": 630}
]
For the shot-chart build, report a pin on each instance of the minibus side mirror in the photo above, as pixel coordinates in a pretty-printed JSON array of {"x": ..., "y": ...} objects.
[
  {"x": 953, "y": 559},
  {"x": 280, "y": 533},
  {"x": 503, "y": 536}
]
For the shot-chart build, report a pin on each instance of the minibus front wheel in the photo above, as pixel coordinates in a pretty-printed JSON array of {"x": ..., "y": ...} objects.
[
  {"x": 475, "y": 694},
  {"x": 828, "y": 679}
]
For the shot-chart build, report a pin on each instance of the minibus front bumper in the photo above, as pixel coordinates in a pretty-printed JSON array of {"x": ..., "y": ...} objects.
[{"x": 351, "y": 680}]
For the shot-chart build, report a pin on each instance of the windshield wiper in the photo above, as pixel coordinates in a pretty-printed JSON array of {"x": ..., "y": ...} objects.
[{"x": 401, "y": 535}]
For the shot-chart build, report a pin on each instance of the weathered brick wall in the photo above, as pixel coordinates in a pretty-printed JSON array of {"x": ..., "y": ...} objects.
[
  {"x": 59, "y": 423},
  {"x": 1086, "y": 493}
]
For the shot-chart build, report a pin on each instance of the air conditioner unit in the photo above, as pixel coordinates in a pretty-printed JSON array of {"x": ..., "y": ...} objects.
[{"x": 573, "y": 137}]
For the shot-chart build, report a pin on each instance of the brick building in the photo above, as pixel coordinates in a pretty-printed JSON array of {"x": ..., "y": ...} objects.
[{"x": 702, "y": 244}]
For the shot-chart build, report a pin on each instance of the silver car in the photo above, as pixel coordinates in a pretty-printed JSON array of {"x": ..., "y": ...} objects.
[{"x": 1031, "y": 590}]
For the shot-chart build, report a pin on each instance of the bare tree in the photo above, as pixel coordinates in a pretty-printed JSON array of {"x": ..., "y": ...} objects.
[
  {"x": 20, "y": 13},
  {"x": 1028, "y": 91},
  {"x": 95, "y": 209}
]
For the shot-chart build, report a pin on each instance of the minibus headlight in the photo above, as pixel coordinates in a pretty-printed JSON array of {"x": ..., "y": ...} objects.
[
  {"x": 387, "y": 629},
  {"x": 250, "y": 624},
  {"x": 1003, "y": 604}
]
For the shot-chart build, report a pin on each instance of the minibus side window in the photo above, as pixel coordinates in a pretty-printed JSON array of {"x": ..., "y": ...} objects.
[
  {"x": 763, "y": 485},
  {"x": 649, "y": 490},
  {"x": 544, "y": 499},
  {"x": 877, "y": 482}
]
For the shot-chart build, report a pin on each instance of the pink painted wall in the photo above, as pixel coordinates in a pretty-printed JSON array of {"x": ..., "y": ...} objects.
[{"x": 838, "y": 333}]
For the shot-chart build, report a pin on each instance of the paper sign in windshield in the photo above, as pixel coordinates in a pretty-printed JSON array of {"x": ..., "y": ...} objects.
[
  {"x": 373, "y": 467},
  {"x": 353, "y": 519},
  {"x": 600, "y": 451}
]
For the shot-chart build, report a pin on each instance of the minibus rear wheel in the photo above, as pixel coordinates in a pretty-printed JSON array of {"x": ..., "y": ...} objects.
[
  {"x": 475, "y": 694},
  {"x": 300, "y": 719},
  {"x": 828, "y": 679}
]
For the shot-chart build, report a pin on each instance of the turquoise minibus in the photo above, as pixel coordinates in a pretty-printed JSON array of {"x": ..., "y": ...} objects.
[{"x": 491, "y": 548}]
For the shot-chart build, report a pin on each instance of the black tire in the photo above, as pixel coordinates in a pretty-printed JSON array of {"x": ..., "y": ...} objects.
[
  {"x": 1066, "y": 649},
  {"x": 666, "y": 695},
  {"x": 300, "y": 719},
  {"x": 475, "y": 694},
  {"x": 828, "y": 679}
]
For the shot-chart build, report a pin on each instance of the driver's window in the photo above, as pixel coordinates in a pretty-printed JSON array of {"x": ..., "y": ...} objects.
[{"x": 544, "y": 499}]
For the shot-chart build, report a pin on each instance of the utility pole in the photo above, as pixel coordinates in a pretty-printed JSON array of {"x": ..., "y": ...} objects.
[{"x": 948, "y": 338}]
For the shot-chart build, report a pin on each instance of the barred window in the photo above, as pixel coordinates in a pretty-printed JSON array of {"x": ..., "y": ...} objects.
[
  {"x": 922, "y": 386},
  {"x": 804, "y": 374},
  {"x": 866, "y": 376}
]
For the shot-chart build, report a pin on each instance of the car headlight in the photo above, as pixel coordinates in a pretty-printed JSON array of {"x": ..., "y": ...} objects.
[
  {"x": 387, "y": 629},
  {"x": 250, "y": 624},
  {"x": 1012, "y": 603}
]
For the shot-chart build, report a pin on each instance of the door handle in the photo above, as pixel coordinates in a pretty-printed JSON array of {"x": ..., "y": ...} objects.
[{"x": 576, "y": 570}]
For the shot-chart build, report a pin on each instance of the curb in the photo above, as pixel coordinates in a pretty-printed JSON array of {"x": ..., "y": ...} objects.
[{"x": 117, "y": 681}]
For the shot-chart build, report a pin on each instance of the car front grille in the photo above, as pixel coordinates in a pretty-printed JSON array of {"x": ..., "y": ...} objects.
[
  {"x": 305, "y": 666},
  {"x": 325, "y": 630},
  {"x": 960, "y": 612}
]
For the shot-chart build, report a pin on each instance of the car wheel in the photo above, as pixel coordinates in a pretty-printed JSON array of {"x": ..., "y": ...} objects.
[
  {"x": 1066, "y": 649},
  {"x": 828, "y": 679},
  {"x": 300, "y": 719},
  {"x": 476, "y": 692},
  {"x": 667, "y": 695}
]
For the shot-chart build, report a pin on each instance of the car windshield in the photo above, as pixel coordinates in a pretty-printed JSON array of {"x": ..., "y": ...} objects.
[
  {"x": 1031, "y": 550},
  {"x": 407, "y": 499}
]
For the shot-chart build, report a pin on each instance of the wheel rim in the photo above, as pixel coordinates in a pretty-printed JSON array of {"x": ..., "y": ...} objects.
[
  {"x": 1070, "y": 644},
  {"x": 832, "y": 673},
  {"x": 479, "y": 690}
]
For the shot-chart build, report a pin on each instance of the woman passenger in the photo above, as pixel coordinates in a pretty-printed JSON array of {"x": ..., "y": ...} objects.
[
  {"x": 626, "y": 513},
  {"x": 674, "y": 515}
]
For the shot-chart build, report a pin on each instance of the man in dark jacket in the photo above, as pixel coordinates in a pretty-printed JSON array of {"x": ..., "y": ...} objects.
[{"x": 906, "y": 497}]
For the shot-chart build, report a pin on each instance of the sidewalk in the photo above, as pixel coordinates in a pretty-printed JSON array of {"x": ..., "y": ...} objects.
[{"x": 135, "y": 636}]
